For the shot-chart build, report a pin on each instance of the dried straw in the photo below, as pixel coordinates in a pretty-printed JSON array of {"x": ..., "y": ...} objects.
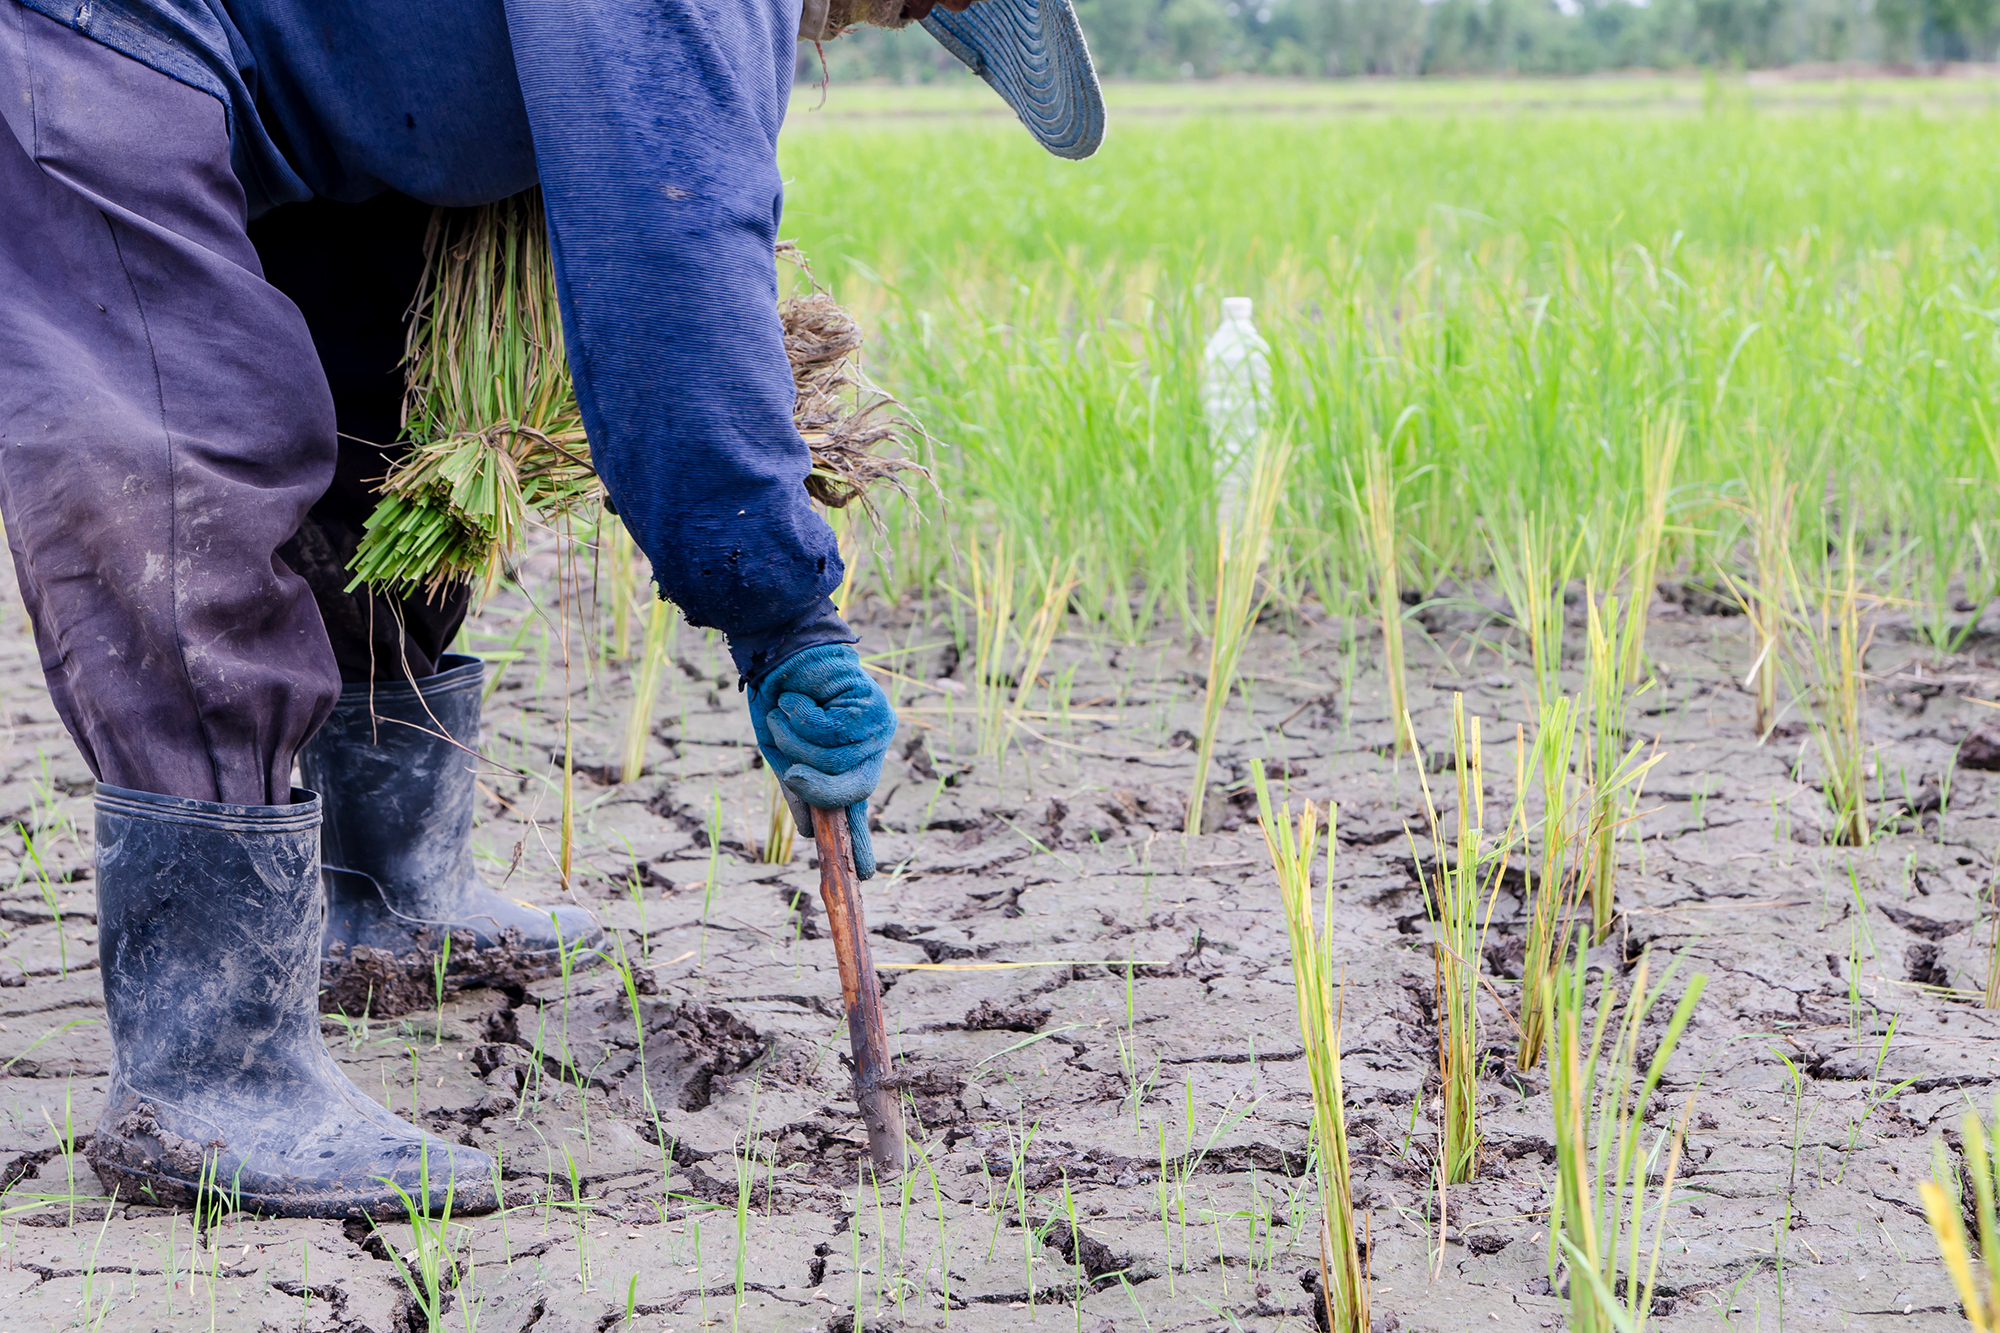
[
  {"x": 497, "y": 445},
  {"x": 844, "y": 14}
]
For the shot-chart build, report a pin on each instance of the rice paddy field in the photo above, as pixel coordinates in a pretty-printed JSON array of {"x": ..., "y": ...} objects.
[{"x": 1516, "y": 849}]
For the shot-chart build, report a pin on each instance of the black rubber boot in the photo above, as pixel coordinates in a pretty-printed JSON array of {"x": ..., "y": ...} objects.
[
  {"x": 208, "y": 927},
  {"x": 396, "y": 764}
]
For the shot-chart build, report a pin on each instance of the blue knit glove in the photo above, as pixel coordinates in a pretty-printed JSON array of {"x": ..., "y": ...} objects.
[{"x": 824, "y": 726}]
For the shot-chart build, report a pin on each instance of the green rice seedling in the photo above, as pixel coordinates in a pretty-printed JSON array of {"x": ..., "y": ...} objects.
[
  {"x": 1241, "y": 545},
  {"x": 1975, "y": 1275},
  {"x": 1376, "y": 503},
  {"x": 440, "y": 968},
  {"x": 714, "y": 871},
  {"x": 1532, "y": 574},
  {"x": 1831, "y": 675},
  {"x": 1873, "y": 1098},
  {"x": 778, "y": 825},
  {"x": 661, "y": 628},
  {"x": 1553, "y": 890},
  {"x": 746, "y": 1177},
  {"x": 993, "y": 613},
  {"x": 1467, "y": 872},
  {"x": 1008, "y": 647},
  {"x": 618, "y": 571},
  {"x": 1604, "y": 1201},
  {"x": 431, "y": 1268},
  {"x": 1992, "y": 995},
  {"x": 1659, "y": 454},
  {"x": 1039, "y": 634},
  {"x": 1771, "y": 498},
  {"x": 1612, "y": 766},
  {"x": 497, "y": 438},
  {"x": 46, "y": 885},
  {"x": 1343, "y": 1271}
]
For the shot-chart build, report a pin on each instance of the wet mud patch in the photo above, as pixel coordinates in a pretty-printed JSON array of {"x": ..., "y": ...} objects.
[{"x": 373, "y": 982}]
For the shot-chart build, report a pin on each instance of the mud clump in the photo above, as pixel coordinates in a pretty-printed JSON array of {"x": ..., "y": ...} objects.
[
  {"x": 1981, "y": 750},
  {"x": 692, "y": 1051},
  {"x": 1020, "y": 1016},
  {"x": 382, "y": 984},
  {"x": 141, "y": 1158}
]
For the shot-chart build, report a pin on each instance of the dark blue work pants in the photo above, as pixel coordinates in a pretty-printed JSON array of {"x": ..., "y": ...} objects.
[{"x": 166, "y": 427}]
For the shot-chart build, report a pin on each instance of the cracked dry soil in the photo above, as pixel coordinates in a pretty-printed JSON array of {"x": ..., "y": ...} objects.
[{"x": 1113, "y": 1135}]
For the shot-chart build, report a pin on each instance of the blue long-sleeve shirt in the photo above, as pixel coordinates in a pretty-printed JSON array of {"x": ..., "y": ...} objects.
[{"x": 652, "y": 127}]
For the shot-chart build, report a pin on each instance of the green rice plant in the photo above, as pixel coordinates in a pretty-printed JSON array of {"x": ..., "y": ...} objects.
[
  {"x": 440, "y": 969},
  {"x": 1533, "y": 573},
  {"x": 1552, "y": 892},
  {"x": 1829, "y": 672},
  {"x": 1241, "y": 545},
  {"x": 778, "y": 825},
  {"x": 714, "y": 871},
  {"x": 1342, "y": 1265},
  {"x": 1008, "y": 649},
  {"x": 1770, "y": 504},
  {"x": 662, "y": 626},
  {"x": 46, "y": 885},
  {"x": 1659, "y": 454},
  {"x": 1039, "y": 634},
  {"x": 430, "y": 1270},
  {"x": 1604, "y": 1200},
  {"x": 1992, "y": 995},
  {"x": 618, "y": 571},
  {"x": 1377, "y": 506},
  {"x": 1613, "y": 768},
  {"x": 1976, "y": 1276},
  {"x": 992, "y": 615},
  {"x": 1466, "y": 873}
]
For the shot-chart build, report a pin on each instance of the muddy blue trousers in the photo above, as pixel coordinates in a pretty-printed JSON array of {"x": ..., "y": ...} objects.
[{"x": 176, "y": 496}]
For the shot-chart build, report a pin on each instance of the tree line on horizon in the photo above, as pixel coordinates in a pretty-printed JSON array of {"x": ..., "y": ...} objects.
[{"x": 1344, "y": 38}]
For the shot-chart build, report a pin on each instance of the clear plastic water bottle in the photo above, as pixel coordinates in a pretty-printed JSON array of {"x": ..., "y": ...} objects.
[{"x": 1235, "y": 387}]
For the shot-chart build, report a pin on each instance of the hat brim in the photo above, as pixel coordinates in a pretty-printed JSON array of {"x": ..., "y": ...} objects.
[{"x": 1033, "y": 54}]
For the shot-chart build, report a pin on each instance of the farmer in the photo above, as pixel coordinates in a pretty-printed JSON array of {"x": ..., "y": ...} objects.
[{"x": 211, "y": 217}]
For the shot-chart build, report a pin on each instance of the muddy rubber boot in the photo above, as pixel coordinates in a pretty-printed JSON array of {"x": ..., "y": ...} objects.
[
  {"x": 208, "y": 921},
  {"x": 396, "y": 764}
]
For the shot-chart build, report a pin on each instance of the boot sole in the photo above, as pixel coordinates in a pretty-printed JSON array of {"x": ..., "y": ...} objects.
[{"x": 146, "y": 1189}]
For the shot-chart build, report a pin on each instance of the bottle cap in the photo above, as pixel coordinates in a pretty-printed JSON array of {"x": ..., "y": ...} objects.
[{"x": 1236, "y": 308}]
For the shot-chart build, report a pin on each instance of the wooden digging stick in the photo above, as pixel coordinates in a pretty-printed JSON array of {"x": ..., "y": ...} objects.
[{"x": 861, "y": 992}]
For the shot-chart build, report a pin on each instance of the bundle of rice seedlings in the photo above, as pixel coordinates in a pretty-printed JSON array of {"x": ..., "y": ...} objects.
[
  {"x": 497, "y": 446},
  {"x": 490, "y": 413}
]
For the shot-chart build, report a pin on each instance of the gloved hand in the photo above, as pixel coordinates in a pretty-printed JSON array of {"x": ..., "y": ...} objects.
[{"x": 824, "y": 726}]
